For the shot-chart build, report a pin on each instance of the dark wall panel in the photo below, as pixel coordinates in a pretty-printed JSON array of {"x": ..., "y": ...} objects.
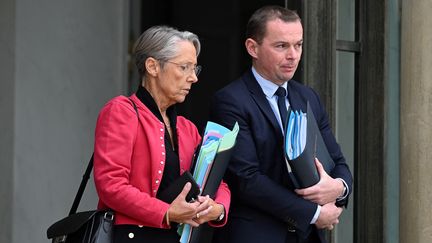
[{"x": 220, "y": 26}]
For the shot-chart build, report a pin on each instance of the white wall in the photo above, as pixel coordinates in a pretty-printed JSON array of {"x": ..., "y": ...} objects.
[{"x": 65, "y": 59}]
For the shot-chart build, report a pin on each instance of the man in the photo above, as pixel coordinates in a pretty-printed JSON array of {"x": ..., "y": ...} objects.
[{"x": 265, "y": 206}]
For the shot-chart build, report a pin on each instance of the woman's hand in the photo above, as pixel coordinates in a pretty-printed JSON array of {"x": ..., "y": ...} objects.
[
  {"x": 193, "y": 213},
  {"x": 183, "y": 212},
  {"x": 209, "y": 210}
]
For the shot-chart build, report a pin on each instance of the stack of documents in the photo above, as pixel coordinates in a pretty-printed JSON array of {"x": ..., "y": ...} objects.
[
  {"x": 304, "y": 143},
  {"x": 296, "y": 134},
  {"x": 210, "y": 165}
]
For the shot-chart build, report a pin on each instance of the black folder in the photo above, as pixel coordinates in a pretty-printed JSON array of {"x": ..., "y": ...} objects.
[
  {"x": 218, "y": 167},
  {"x": 173, "y": 190},
  {"x": 204, "y": 232},
  {"x": 217, "y": 172},
  {"x": 302, "y": 170}
]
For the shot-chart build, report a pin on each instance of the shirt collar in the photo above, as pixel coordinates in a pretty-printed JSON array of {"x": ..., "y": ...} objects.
[{"x": 269, "y": 88}]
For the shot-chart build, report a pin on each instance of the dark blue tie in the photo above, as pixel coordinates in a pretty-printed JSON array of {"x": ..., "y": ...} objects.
[{"x": 281, "y": 94}]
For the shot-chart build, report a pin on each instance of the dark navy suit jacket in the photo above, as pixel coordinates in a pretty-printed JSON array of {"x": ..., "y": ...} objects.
[{"x": 264, "y": 206}]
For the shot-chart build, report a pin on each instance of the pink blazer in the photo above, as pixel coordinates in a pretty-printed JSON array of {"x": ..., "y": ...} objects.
[{"x": 129, "y": 161}]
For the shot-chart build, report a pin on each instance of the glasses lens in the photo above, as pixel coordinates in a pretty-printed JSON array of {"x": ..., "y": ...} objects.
[{"x": 197, "y": 70}]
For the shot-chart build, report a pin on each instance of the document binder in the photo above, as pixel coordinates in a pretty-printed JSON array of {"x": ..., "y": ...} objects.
[
  {"x": 302, "y": 169},
  {"x": 209, "y": 168},
  {"x": 213, "y": 157}
]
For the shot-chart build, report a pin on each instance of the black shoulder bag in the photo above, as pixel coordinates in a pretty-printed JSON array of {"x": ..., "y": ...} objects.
[
  {"x": 90, "y": 227},
  {"x": 94, "y": 226}
]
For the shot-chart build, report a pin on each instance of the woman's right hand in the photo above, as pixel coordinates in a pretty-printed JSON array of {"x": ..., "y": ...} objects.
[{"x": 181, "y": 211}]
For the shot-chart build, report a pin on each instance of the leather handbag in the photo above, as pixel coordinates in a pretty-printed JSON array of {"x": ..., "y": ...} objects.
[{"x": 94, "y": 226}]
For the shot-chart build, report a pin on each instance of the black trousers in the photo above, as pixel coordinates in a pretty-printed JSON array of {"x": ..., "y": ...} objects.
[{"x": 136, "y": 234}]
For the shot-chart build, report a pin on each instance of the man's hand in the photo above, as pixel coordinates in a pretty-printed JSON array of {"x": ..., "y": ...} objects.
[
  {"x": 329, "y": 216},
  {"x": 325, "y": 191}
]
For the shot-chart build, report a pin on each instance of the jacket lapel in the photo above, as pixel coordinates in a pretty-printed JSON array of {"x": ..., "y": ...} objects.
[{"x": 261, "y": 100}]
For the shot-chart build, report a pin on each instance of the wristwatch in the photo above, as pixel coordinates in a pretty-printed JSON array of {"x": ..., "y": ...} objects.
[{"x": 222, "y": 216}]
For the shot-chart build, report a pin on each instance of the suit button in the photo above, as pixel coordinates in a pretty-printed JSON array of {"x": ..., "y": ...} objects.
[{"x": 131, "y": 235}]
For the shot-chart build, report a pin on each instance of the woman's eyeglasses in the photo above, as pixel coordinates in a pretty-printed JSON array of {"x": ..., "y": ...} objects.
[{"x": 188, "y": 68}]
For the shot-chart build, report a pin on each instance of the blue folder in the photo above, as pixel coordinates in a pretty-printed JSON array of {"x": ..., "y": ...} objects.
[{"x": 303, "y": 143}]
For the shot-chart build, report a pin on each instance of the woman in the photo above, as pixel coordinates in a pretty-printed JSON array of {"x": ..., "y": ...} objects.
[{"x": 139, "y": 153}]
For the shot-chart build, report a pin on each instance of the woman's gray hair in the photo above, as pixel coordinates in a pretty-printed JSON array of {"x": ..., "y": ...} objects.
[{"x": 160, "y": 42}]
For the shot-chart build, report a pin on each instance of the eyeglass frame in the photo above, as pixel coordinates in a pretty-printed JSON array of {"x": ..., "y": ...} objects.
[{"x": 187, "y": 66}]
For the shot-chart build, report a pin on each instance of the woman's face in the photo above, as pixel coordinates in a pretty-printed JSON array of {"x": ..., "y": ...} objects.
[{"x": 178, "y": 74}]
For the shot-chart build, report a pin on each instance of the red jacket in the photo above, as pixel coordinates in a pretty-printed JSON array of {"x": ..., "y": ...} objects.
[{"x": 129, "y": 160}]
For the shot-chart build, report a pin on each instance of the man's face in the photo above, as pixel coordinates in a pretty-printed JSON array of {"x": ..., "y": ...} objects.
[{"x": 278, "y": 56}]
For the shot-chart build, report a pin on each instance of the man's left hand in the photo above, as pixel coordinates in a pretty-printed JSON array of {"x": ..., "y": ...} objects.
[{"x": 325, "y": 191}]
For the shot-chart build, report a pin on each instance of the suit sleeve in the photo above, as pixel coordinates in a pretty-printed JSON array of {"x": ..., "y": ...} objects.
[{"x": 249, "y": 184}]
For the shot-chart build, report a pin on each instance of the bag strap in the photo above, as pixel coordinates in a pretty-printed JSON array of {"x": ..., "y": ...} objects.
[{"x": 86, "y": 176}]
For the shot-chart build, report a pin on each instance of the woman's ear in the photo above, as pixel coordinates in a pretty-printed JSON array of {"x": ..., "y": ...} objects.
[
  {"x": 152, "y": 66},
  {"x": 251, "y": 47}
]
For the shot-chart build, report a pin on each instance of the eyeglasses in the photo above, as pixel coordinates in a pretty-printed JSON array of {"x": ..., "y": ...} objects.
[{"x": 188, "y": 68}]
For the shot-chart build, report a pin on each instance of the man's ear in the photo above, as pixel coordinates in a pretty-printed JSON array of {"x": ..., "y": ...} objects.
[
  {"x": 152, "y": 66},
  {"x": 251, "y": 47}
]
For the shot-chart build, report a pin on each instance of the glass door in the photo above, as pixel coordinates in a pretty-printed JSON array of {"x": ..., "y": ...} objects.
[{"x": 346, "y": 49}]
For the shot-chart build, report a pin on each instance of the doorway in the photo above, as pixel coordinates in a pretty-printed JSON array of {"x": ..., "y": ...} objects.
[
  {"x": 220, "y": 25},
  {"x": 221, "y": 28}
]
